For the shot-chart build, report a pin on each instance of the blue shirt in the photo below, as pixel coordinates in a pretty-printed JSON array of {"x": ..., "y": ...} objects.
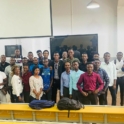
[
  {"x": 74, "y": 77},
  {"x": 47, "y": 75},
  {"x": 65, "y": 80},
  {"x": 32, "y": 66}
]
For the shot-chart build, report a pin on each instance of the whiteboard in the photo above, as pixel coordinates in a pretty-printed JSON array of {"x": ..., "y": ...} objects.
[{"x": 25, "y": 18}]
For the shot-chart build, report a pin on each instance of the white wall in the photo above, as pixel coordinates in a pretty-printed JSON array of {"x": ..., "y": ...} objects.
[
  {"x": 34, "y": 44},
  {"x": 30, "y": 44},
  {"x": 120, "y": 26},
  {"x": 80, "y": 20}
]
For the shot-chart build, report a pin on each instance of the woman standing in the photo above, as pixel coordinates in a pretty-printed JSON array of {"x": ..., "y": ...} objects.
[
  {"x": 36, "y": 85},
  {"x": 17, "y": 87}
]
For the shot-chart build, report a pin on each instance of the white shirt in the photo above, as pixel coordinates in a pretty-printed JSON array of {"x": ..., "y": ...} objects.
[
  {"x": 17, "y": 86},
  {"x": 111, "y": 71},
  {"x": 37, "y": 84},
  {"x": 18, "y": 61},
  {"x": 119, "y": 65},
  {"x": 2, "y": 77}
]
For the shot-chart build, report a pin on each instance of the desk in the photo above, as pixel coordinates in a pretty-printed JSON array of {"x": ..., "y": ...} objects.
[{"x": 99, "y": 114}]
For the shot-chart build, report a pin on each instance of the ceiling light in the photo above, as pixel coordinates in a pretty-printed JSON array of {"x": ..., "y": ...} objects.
[{"x": 93, "y": 4}]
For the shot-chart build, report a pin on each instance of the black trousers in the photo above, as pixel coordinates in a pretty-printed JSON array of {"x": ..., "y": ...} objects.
[
  {"x": 26, "y": 97},
  {"x": 55, "y": 87},
  {"x": 75, "y": 94},
  {"x": 102, "y": 99},
  {"x": 11, "y": 95},
  {"x": 91, "y": 99},
  {"x": 66, "y": 92},
  {"x": 48, "y": 95},
  {"x": 16, "y": 100},
  {"x": 113, "y": 95},
  {"x": 120, "y": 82}
]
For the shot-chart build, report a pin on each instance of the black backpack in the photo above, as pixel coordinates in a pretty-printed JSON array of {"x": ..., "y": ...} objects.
[{"x": 69, "y": 104}]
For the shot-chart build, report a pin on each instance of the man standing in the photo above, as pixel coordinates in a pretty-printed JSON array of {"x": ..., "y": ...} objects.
[
  {"x": 58, "y": 67},
  {"x": 8, "y": 73},
  {"x": 74, "y": 76},
  {"x": 120, "y": 75},
  {"x": 47, "y": 75},
  {"x": 3, "y": 63},
  {"x": 110, "y": 68},
  {"x": 95, "y": 56},
  {"x": 45, "y": 56},
  {"x": 25, "y": 61},
  {"x": 71, "y": 57},
  {"x": 76, "y": 52},
  {"x": 35, "y": 63},
  {"x": 104, "y": 76},
  {"x": 84, "y": 61},
  {"x": 18, "y": 57},
  {"x": 2, "y": 83},
  {"x": 89, "y": 80},
  {"x": 81, "y": 50},
  {"x": 64, "y": 56},
  {"x": 65, "y": 80},
  {"x": 39, "y": 53},
  {"x": 30, "y": 58}
]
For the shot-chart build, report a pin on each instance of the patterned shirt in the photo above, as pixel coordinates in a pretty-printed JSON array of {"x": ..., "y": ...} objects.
[
  {"x": 104, "y": 76},
  {"x": 71, "y": 61},
  {"x": 47, "y": 75}
]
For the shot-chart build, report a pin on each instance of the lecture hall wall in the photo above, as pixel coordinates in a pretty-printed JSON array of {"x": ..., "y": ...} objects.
[{"x": 71, "y": 17}]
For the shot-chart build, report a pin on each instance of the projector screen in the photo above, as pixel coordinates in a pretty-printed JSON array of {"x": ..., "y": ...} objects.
[{"x": 25, "y": 18}]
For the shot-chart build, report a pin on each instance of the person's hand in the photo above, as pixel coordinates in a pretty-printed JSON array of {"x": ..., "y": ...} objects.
[
  {"x": 114, "y": 86},
  {"x": 84, "y": 93},
  {"x": 19, "y": 98},
  {"x": 96, "y": 91},
  {"x": 70, "y": 96},
  {"x": 39, "y": 93},
  {"x": 37, "y": 96}
]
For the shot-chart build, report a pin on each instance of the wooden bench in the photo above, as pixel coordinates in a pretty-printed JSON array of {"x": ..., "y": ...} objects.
[{"x": 99, "y": 114}]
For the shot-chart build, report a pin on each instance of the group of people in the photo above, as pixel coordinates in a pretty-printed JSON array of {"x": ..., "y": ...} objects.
[
  {"x": 77, "y": 51},
  {"x": 39, "y": 77}
]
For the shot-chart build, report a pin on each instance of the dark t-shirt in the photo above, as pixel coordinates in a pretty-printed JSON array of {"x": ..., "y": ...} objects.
[
  {"x": 30, "y": 63},
  {"x": 83, "y": 66},
  {"x": 3, "y": 66}
]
